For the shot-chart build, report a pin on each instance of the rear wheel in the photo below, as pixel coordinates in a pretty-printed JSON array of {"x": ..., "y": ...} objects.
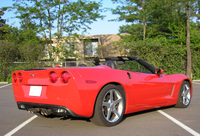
[
  {"x": 110, "y": 106},
  {"x": 184, "y": 97}
]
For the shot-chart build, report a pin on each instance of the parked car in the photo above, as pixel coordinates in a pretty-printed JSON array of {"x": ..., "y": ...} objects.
[{"x": 103, "y": 93}]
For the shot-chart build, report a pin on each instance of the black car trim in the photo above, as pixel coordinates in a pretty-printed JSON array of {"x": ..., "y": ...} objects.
[
  {"x": 47, "y": 106},
  {"x": 127, "y": 58},
  {"x": 34, "y": 69}
]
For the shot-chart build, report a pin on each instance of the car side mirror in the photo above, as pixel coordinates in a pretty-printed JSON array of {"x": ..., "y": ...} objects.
[{"x": 159, "y": 71}]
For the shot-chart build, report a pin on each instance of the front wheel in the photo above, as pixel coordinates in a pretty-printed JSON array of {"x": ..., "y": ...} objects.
[
  {"x": 110, "y": 106},
  {"x": 184, "y": 97}
]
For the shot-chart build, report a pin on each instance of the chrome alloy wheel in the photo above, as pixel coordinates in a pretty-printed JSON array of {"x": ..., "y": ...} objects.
[
  {"x": 112, "y": 105},
  {"x": 186, "y": 95}
]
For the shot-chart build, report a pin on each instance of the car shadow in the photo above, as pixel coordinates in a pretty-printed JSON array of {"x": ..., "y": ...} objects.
[
  {"x": 75, "y": 118},
  {"x": 71, "y": 118},
  {"x": 144, "y": 112}
]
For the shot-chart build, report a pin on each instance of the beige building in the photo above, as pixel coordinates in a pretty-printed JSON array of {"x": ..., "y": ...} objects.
[{"x": 89, "y": 46}]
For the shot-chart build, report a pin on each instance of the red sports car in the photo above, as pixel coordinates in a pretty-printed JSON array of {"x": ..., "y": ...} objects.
[{"x": 103, "y": 93}]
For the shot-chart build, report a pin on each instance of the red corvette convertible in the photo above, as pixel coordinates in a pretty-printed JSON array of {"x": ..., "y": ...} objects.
[{"x": 103, "y": 93}]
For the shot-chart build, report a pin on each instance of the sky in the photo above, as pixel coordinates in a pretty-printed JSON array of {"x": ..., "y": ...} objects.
[{"x": 99, "y": 27}]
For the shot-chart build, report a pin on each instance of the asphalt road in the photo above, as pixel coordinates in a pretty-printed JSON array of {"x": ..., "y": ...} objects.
[{"x": 168, "y": 121}]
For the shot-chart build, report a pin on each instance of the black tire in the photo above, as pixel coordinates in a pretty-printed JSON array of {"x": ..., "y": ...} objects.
[
  {"x": 184, "y": 97},
  {"x": 110, "y": 106}
]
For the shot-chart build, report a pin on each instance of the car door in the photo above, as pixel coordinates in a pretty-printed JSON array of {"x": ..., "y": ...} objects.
[{"x": 150, "y": 89}]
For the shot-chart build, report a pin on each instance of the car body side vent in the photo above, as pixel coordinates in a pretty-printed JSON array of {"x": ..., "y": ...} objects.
[{"x": 129, "y": 75}]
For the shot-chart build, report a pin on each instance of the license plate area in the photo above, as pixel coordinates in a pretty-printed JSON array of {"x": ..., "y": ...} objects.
[{"x": 35, "y": 91}]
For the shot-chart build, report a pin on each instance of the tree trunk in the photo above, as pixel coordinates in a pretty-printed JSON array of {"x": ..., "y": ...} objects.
[
  {"x": 142, "y": 4},
  {"x": 189, "y": 56},
  {"x": 144, "y": 29}
]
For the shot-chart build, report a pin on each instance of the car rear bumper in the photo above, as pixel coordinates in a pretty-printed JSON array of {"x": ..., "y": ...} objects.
[
  {"x": 71, "y": 99},
  {"x": 46, "y": 109}
]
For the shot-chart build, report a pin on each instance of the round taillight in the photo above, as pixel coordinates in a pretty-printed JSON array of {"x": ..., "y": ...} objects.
[
  {"x": 20, "y": 77},
  {"x": 65, "y": 77},
  {"x": 53, "y": 77},
  {"x": 14, "y": 77}
]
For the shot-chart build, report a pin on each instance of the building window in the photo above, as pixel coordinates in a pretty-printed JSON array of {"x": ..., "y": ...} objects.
[
  {"x": 48, "y": 51},
  {"x": 68, "y": 48},
  {"x": 90, "y": 46}
]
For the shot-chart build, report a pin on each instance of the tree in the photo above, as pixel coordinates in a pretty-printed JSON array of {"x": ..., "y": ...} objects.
[
  {"x": 145, "y": 18},
  {"x": 58, "y": 18},
  {"x": 2, "y": 24},
  {"x": 191, "y": 9},
  {"x": 189, "y": 55},
  {"x": 132, "y": 12},
  {"x": 7, "y": 54},
  {"x": 29, "y": 46},
  {"x": 170, "y": 19}
]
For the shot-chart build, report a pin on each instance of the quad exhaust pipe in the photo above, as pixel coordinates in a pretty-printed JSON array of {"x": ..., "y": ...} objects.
[
  {"x": 44, "y": 112},
  {"x": 34, "y": 110}
]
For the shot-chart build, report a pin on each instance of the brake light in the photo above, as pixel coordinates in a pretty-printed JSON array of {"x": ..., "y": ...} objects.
[
  {"x": 20, "y": 77},
  {"x": 53, "y": 77},
  {"x": 14, "y": 77},
  {"x": 65, "y": 77}
]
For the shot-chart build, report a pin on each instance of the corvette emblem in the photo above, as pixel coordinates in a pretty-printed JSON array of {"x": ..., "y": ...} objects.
[{"x": 33, "y": 75}]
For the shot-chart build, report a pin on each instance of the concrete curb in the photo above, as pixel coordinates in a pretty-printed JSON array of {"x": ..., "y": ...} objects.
[
  {"x": 195, "y": 80},
  {"x": 3, "y": 83}
]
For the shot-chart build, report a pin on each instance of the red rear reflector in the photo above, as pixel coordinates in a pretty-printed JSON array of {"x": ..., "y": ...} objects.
[
  {"x": 53, "y": 77},
  {"x": 20, "y": 77},
  {"x": 14, "y": 77},
  {"x": 65, "y": 77}
]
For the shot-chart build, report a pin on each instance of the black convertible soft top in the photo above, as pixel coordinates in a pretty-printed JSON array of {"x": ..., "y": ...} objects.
[{"x": 96, "y": 61}]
